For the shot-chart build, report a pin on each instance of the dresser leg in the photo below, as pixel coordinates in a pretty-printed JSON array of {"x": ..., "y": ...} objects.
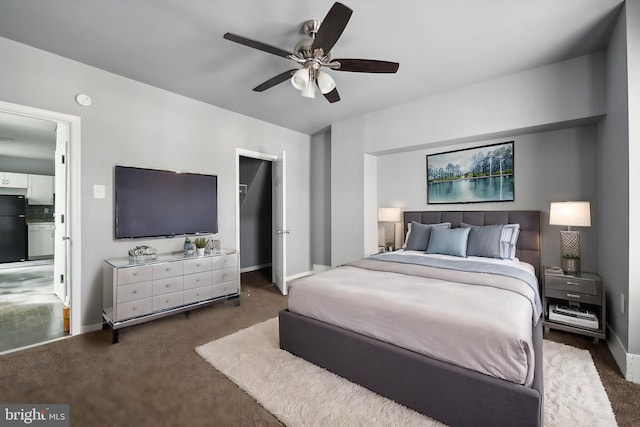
[
  {"x": 546, "y": 329},
  {"x": 186, "y": 314},
  {"x": 115, "y": 336},
  {"x": 596, "y": 340}
]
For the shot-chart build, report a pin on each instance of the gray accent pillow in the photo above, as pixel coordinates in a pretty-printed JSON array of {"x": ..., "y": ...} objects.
[
  {"x": 484, "y": 240},
  {"x": 418, "y": 238},
  {"x": 449, "y": 241}
]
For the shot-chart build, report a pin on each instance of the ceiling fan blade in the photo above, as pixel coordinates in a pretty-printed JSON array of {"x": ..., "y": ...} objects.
[
  {"x": 257, "y": 45},
  {"x": 366, "y": 66},
  {"x": 332, "y": 27},
  {"x": 332, "y": 96},
  {"x": 283, "y": 77}
]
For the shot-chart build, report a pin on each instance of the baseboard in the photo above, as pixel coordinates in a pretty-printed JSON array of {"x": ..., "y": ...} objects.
[
  {"x": 628, "y": 363},
  {"x": 90, "y": 328},
  {"x": 254, "y": 268},
  {"x": 299, "y": 275},
  {"x": 319, "y": 268}
]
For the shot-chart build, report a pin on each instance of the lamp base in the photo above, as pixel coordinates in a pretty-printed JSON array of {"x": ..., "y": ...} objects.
[{"x": 570, "y": 266}]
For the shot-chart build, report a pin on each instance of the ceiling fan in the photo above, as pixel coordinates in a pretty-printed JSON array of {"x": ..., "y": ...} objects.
[{"x": 314, "y": 54}]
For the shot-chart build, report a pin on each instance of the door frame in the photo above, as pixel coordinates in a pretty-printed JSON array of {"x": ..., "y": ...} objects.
[
  {"x": 74, "y": 252},
  {"x": 241, "y": 152}
]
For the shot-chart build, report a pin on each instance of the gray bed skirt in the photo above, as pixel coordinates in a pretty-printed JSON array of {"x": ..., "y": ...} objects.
[{"x": 445, "y": 392}]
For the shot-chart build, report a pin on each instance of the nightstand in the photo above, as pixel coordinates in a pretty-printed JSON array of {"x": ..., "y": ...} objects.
[{"x": 584, "y": 290}]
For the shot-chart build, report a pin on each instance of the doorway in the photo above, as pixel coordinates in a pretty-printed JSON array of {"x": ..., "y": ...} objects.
[
  {"x": 260, "y": 214},
  {"x": 35, "y": 290}
]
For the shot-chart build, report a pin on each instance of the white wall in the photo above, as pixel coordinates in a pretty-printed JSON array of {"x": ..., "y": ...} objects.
[
  {"x": 135, "y": 124},
  {"x": 550, "y": 166}
]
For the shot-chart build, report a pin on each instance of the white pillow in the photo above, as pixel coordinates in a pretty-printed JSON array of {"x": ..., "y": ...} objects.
[{"x": 508, "y": 241}]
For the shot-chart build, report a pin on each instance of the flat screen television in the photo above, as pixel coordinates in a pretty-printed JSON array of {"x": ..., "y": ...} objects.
[{"x": 160, "y": 203}]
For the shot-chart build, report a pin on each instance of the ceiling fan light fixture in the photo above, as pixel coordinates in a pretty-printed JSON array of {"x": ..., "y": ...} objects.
[
  {"x": 300, "y": 79},
  {"x": 309, "y": 90},
  {"x": 325, "y": 82}
]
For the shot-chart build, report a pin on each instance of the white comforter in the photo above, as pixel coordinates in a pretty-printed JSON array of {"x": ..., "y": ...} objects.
[{"x": 479, "y": 327}]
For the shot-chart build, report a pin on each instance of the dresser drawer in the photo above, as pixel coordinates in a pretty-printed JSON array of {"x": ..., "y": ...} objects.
[
  {"x": 223, "y": 261},
  {"x": 572, "y": 284},
  {"x": 224, "y": 275},
  {"x": 168, "y": 269},
  {"x": 162, "y": 302},
  {"x": 167, "y": 286},
  {"x": 226, "y": 288},
  {"x": 136, "y": 308},
  {"x": 134, "y": 291},
  {"x": 197, "y": 280},
  {"x": 573, "y": 296},
  {"x": 134, "y": 274},
  {"x": 198, "y": 294},
  {"x": 197, "y": 265}
]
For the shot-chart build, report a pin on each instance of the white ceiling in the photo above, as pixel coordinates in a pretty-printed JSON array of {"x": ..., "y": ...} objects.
[{"x": 440, "y": 45}]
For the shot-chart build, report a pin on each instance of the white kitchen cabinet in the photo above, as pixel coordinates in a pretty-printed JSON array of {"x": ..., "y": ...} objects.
[
  {"x": 40, "y": 189},
  {"x": 40, "y": 241},
  {"x": 13, "y": 180}
]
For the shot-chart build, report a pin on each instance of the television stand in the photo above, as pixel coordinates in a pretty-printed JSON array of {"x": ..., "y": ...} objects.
[{"x": 140, "y": 290}]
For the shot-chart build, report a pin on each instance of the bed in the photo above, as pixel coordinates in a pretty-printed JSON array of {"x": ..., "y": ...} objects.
[{"x": 435, "y": 380}]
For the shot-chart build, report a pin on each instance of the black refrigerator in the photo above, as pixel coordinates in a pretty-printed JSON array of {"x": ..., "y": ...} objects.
[{"x": 13, "y": 229}]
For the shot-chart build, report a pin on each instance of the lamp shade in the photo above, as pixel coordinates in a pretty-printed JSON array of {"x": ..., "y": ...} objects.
[
  {"x": 389, "y": 214},
  {"x": 300, "y": 79},
  {"x": 309, "y": 90},
  {"x": 325, "y": 82},
  {"x": 576, "y": 214}
]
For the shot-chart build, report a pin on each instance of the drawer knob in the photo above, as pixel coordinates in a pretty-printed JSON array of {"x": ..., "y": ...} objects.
[
  {"x": 135, "y": 291},
  {"x": 167, "y": 285},
  {"x": 168, "y": 269},
  {"x": 573, "y": 283},
  {"x": 573, "y": 295},
  {"x": 135, "y": 273},
  {"x": 135, "y": 308}
]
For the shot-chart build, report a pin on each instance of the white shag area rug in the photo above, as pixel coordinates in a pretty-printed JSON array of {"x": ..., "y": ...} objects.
[{"x": 300, "y": 393}]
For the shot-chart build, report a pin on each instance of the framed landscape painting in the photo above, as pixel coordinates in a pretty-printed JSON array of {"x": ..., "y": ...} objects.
[{"x": 473, "y": 175}]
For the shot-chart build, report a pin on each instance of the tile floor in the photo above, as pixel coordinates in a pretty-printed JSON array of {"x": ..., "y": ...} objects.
[{"x": 30, "y": 312}]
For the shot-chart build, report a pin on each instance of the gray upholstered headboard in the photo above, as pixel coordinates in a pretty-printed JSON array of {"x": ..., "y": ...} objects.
[{"x": 528, "y": 245}]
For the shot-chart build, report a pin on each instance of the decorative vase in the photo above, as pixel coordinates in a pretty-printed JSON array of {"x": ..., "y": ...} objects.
[
  {"x": 199, "y": 251},
  {"x": 189, "y": 247}
]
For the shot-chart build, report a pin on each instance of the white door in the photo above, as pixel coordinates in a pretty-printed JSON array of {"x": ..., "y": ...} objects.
[
  {"x": 279, "y": 261},
  {"x": 60, "y": 279}
]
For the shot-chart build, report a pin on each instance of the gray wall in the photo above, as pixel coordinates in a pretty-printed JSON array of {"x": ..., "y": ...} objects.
[
  {"x": 633, "y": 52},
  {"x": 321, "y": 199},
  {"x": 565, "y": 94},
  {"x": 613, "y": 167},
  {"x": 131, "y": 123},
  {"x": 24, "y": 165},
  {"x": 255, "y": 213},
  {"x": 550, "y": 166}
]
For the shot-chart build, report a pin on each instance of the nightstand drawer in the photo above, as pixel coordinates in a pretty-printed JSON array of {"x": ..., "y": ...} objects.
[
  {"x": 573, "y": 296},
  {"x": 572, "y": 285}
]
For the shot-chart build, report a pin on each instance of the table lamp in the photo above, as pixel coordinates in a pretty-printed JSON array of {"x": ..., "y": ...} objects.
[
  {"x": 571, "y": 214},
  {"x": 389, "y": 216}
]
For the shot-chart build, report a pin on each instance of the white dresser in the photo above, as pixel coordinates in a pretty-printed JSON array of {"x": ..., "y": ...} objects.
[{"x": 138, "y": 290}]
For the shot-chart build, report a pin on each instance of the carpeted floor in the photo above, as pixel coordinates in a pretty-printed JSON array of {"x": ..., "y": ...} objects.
[
  {"x": 153, "y": 377},
  {"x": 307, "y": 395}
]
